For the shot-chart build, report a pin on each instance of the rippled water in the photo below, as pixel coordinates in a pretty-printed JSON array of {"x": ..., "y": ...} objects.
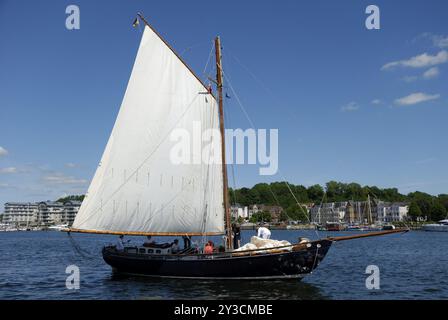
[{"x": 412, "y": 266}]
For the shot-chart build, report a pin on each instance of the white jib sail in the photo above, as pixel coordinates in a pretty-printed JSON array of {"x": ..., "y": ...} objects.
[{"x": 137, "y": 187}]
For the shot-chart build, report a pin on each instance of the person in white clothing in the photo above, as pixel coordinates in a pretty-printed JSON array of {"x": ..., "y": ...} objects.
[
  {"x": 149, "y": 241},
  {"x": 264, "y": 233},
  {"x": 120, "y": 244}
]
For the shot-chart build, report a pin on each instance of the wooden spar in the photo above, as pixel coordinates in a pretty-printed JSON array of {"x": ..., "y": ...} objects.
[
  {"x": 138, "y": 233},
  {"x": 366, "y": 235},
  {"x": 223, "y": 143},
  {"x": 174, "y": 51}
]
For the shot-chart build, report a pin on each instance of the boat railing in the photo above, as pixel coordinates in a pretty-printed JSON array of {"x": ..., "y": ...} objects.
[
  {"x": 259, "y": 251},
  {"x": 191, "y": 252}
]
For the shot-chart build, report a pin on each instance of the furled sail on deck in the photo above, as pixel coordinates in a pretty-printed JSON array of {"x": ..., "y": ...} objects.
[{"x": 136, "y": 187}]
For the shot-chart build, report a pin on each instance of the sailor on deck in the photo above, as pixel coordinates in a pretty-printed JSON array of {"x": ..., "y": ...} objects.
[
  {"x": 264, "y": 233},
  {"x": 175, "y": 246},
  {"x": 149, "y": 241},
  {"x": 208, "y": 247},
  {"x": 120, "y": 244}
]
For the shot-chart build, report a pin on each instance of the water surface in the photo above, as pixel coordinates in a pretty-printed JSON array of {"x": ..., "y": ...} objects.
[{"x": 412, "y": 266}]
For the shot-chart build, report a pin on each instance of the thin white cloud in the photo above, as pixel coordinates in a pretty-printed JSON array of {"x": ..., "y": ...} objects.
[
  {"x": 426, "y": 160},
  {"x": 440, "y": 41},
  {"x": 3, "y": 152},
  {"x": 409, "y": 78},
  {"x": 420, "y": 61},
  {"x": 352, "y": 106},
  {"x": 8, "y": 170},
  {"x": 71, "y": 165},
  {"x": 431, "y": 73},
  {"x": 376, "y": 101},
  {"x": 415, "y": 98},
  {"x": 62, "y": 179}
]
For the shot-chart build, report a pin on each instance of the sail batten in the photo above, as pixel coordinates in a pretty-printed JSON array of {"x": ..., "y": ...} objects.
[{"x": 137, "y": 188}]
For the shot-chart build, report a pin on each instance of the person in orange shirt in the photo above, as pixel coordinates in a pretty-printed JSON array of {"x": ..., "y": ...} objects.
[{"x": 208, "y": 248}]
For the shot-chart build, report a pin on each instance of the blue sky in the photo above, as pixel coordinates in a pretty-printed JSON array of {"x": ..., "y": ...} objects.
[{"x": 350, "y": 104}]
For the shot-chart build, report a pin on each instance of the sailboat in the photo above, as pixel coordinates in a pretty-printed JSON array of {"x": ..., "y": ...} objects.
[{"x": 138, "y": 190}]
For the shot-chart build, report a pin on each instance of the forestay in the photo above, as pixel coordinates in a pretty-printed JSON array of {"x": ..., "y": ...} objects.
[{"x": 137, "y": 188}]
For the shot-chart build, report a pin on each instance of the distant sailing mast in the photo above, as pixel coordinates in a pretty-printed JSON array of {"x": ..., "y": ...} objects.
[{"x": 369, "y": 211}]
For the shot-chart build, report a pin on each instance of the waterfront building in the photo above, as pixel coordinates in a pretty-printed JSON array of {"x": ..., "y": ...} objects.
[
  {"x": 359, "y": 212},
  {"x": 23, "y": 213},
  {"x": 50, "y": 213},
  {"x": 328, "y": 212},
  {"x": 238, "y": 211},
  {"x": 253, "y": 209},
  {"x": 42, "y": 213},
  {"x": 274, "y": 211},
  {"x": 397, "y": 212},
  {"x": 71, "y": 208}
]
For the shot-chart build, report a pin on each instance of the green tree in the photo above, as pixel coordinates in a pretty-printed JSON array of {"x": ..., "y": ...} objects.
[
  {"x": 414, "y": 211},
  {"x": 71, "y": 198},
  {"x": 315, "y": 193},
  {"x": 424, "y": 201},
  {"x": 443, "y": 199},
  {"x": 335, "y": 191},
  {"x": 263, "y": 216},
  {"x": 353, "y": 191},
  {"x": 294, "y": 212},
  {"x": 284, "y": 216},
  {"x": 438, "y": 212}
]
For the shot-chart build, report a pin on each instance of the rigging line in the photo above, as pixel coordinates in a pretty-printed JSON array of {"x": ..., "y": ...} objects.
[
  {"x": 278, "y": 202},
  {"x": 253, "y": 127},
  {"x": 378, "y": 199},
  {"x": 198, "y": 44},
  {"x": 209, "y": 59},
  {"x": 262, "y": 85},
  {"x": 83, "y": 253},
  {"x": 320, "y": 206},
  {"x": 144, "y": 161}
]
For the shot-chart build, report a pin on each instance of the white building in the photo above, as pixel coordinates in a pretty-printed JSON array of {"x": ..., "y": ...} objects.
[
  {"x": 253, "y": 209},
  {"x": 328, "y": 212},
  {"x": 397, "y": 212},
  {"x": 20, "y": 213},
  {"x": 238, "y": 211},
  {"x": 359, "y": 211},
  {"x": 71, "y": 208},
  {"x": 42, "y": 213}
]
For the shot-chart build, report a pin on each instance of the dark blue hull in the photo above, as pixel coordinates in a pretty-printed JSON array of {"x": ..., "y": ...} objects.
[{"x": 302, "y": 260}]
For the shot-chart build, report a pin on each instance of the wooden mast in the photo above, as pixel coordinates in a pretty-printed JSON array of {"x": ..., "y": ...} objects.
[{"x": 223, "y": 143}]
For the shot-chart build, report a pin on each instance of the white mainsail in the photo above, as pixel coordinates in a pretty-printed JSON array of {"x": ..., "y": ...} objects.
[{"x": 137, "y": 188}]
